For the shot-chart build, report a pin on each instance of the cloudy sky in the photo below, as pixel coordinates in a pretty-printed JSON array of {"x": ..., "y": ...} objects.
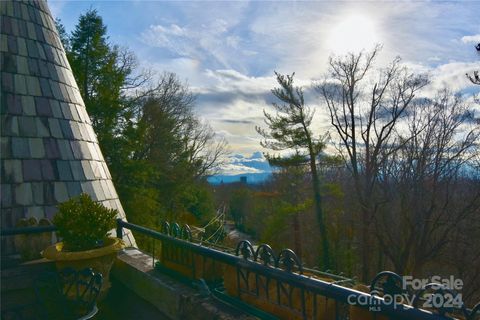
[{"x": 229, "y": 50}]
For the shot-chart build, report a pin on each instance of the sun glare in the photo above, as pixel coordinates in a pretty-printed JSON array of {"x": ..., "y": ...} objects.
[{"x": 352, "y": 33}]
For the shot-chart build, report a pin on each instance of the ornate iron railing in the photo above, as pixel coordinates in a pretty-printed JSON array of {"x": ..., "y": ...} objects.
[
  {"x": 278, "y": 284},
  {"x": 28, "y": 230}
]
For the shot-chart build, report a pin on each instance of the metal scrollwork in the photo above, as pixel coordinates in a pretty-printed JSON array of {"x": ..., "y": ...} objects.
[
  {"x": 388, "y": 282},
  {"x": 475, "y": 313},
  {"x": 166, "y": 227},
  {"x": 245, "y": 248},
  {"x": 175, "y": 230},
  {"x": 186, "y": 233},
  {"x": 265, "y": 254},
  {"x": 288, "y": 260}
]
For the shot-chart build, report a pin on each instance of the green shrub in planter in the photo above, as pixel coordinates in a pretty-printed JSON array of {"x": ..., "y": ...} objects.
[{"x": 83, "y": 224}]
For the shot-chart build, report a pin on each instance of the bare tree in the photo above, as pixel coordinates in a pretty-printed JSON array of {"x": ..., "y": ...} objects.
[
  {"x": 428, "y": 184},
  {"x": 173, "y": 133},
  {"x": 127, "y": 63},
  {"x": 365, "y": 110},
  {"x": 204, "y": 150},
  {"x": 475, "y": 78}
]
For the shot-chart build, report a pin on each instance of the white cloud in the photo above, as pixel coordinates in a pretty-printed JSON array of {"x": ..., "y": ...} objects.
[
  {"x": 229, "y": 58},
  {"x": 56, "y": 7},
  {"x": 226, "y": 75},
  {"x": 234, "y": 102},
  {"x": 228, "y": 50},
  {"x": 469, "y": 39},
  {"x": 233, "y": 169},
  {"x": 233, "y": 41},
  {"x": 212, "y": 43},
  {"x": 435, "y": 58},
  {"x": 237, "y": 83},
  {"x": 241, "y": 164},
  {"x": 172, "y": 37},
  {"x": 218, "y": 26},
  {"x": 453, "y": 76}
]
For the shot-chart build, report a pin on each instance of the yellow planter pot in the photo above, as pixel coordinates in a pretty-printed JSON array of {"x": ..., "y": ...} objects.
[{"x": 100, "y": 259}]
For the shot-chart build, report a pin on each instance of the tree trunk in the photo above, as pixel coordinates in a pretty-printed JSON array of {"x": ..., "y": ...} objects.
[
  {"x": 319, "y": 212},
  {"x": 365, "y": 247},
  {"x": 297, "y": 236}
]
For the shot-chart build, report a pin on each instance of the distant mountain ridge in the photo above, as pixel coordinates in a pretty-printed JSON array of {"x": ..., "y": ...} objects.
[
  {"x": 252, "y": 178},
  {"x": 255, "y": 168}
]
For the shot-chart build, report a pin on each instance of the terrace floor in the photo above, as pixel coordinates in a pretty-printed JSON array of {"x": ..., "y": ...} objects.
[
  {"x": 138, "y": 292},
  {"x": 122, "y": 303}
]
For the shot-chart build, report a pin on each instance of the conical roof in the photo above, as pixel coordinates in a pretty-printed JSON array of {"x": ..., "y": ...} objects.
[{"x": 49, "y": 151}]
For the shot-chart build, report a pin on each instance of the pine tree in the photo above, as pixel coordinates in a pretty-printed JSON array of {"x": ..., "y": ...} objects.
[
  {"x": 157, "y": 150},
  {"x": 290, "y": 129},
  {"x": 99, "y": 73},
  {"x": 62, "y": 33}
]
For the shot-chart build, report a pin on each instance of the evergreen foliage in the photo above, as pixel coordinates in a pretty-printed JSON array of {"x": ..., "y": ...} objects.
[
  {"x": 158, "y": 151},
  {"x": 100, "y": 75},
  {"x": 290, "y": 129},
  {"x": 82, "y": 223}
]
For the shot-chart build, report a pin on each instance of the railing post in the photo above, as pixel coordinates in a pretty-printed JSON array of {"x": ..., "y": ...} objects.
[{"x": 119, "y": 228}]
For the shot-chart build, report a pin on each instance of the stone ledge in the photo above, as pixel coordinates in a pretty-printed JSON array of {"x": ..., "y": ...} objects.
[
  {"x": 21, "y": 276},
  {"x": 17, "y": 282},
  {"x": 134, "y": 269}
]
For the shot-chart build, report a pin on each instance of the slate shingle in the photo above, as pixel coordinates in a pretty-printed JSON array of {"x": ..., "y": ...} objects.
[
  {"x": 64, "y": 171},
  {"x": 55, "y": 129},
  {"x": 27, "y": 126},
  {"x": 32, "y": 170},
  {"x": 48, "y": 170},
  {"x": 6, "y": 147},
  {"x": 23, "y": 194},
  {"x": 12, "y": 171},
  {"x": 6, "y": 195},
  {"x": 60, "y": 191},
  {"x": 38, "y": 193},
  {"x": 77, "y": 170},
  {"x": 33, "y": 67},
  {"x": 9, "y": 63},
  {"x": 42, "y": 127},
  {"x": 9, "y": 126},
  {"x": 37, "y": 149},
  {"x": 49, "y": 151},
  {"x": 43, "y": 107},
  {"x": 20, "y": 148},
  {"x": 74, "y": 188},
  {"x": 7, "y": 82},
  {"x": 14, "y": 104},
  {"x": 28, "y": 106},
  {"x": 12, "y": 44}
]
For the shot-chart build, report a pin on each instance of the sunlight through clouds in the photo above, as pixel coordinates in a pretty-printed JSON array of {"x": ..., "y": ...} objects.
[
  {"x": 228, "y": 51},
  {"x": 353, "y": 33}
]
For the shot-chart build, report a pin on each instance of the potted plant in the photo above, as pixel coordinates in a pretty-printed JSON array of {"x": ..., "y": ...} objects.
[{"x": 83, "y": 225}]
